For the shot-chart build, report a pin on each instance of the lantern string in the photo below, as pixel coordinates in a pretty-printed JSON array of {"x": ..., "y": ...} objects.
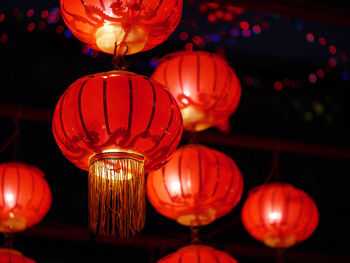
[
  {"x": 279, "y": 257},
  {"x": 13, "y": 137},
  {"x": 195, "y": 240},
  {"x": 7, "y": 241},
  {"x": 119, "y": 62},
  {"x": 274, "y": 169}
]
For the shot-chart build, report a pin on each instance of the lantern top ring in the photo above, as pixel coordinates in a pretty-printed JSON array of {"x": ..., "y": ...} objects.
[{"x": 117, "y": 155}]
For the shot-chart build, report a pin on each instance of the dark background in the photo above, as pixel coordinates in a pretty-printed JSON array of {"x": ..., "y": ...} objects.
[{"x": 307, "y": 122}]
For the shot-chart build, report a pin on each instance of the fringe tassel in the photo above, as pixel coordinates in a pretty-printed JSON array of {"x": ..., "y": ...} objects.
[{"x": 116, "y": 194}]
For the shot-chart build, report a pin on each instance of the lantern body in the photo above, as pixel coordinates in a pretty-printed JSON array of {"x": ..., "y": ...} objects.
[
  {"x": 13, "y": 256},
  {"x": 279, "y": 215},
  {"x": 133, "y": 26},
  {"x": 25, "y": 196},
  {"x": 117, "y": 125},
  {"x": 205, "y": 87},
  {"x": 197, "y": 186},
  {"x": 198, "y": 254}
]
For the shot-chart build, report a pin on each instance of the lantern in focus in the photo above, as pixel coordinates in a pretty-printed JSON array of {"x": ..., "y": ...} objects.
[
  {"x": 198, "y": 254},
  {"x": 25, "y": 196},
  {"x": 279, "y": 215},
  {"x": 118, "y": 125},
  {"x": 133, "y": 26},
  {"x": 13, "y": 256},
  {"x": 197, "y": 186},
  {"x": 205, "y": 87}
]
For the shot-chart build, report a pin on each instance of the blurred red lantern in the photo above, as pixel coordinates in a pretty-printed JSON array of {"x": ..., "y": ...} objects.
[
  {"x": 25, "y": 196},
  {"x": 13, "y": 256},
  {"x": 197, "y": 186},
  {"x": 198, "y": 254},
  {"x": 279, "y": 215},
  {"x": 117, "y": 125},
  {"x": 134, "y": 25},
  {"x": 205, "y": 87}
]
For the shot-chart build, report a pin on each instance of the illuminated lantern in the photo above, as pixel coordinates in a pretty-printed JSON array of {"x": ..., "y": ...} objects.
[
  {"x": 25, "y": 196},
  {"x": 205, "y": 87},
  {"x": 13, "y": 256},
  {"x": 133, "y": 26},
  {"x": 118, "y": 125},
  {"x": 197, "y": 186},
  {"x": 279, "y": 215},
  {"x": 198, "y": 254}
]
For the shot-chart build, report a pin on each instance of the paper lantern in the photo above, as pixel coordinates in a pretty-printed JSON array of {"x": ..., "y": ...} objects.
[
  {"x": 205, "y": 87},
  {"x": 25, "y": 196},
  {"x": 198, "y": 254},
  {"x": 197, "y": 186},
  {"x": 279, "y": 215},
  {"x": 13, "y": 256},
  {"x": 117, "y": 125},
  {"x": 133, "y": 25}
]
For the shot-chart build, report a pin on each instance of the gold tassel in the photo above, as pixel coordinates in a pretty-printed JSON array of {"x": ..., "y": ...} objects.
[{"x": 117, "y": 194}]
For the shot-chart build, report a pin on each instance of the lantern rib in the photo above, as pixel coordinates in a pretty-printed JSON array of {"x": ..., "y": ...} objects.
[
  {"x": 33, "y": 189},
  {"x": 105, "y": 107},
  {"x": 300, "y": 212},
  {"x": 42, "y": 196},
  {"x": 158, "y": 6},
  {"x": 165, "y": 74},
  {"x": 168, "y": 126},
  {"x": 286, "y": 209},
  {"x": 81, "y": 112},
  {"x": 165, "y": 185},
  {"x": 215, "y": 73},
  {"x": 198, "y": 74},
  {"x": 154, "y": 104},
  {"x": 180, "y": 73},
  {"x": 131, "y": 104},
  {"x": 261, "y": 211},
  {"x": 180, "y": 173},
  {"x": 200, "y": 170},
  {"x": 102, "y": 5},
  {"x": 18, "y": 186},
  {"x": 3, "y": 186},
  {"x": 217, "y": 173}
]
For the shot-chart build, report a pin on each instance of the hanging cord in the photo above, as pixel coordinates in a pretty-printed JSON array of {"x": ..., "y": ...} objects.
[
  {"x": 195, "y": 240},
  {"x": 119, "y": 62},
  {"x": 279, "y": 255},
  {"x": 7, "y": 240},
  {"x": 13, "y": 137},
  {"x": 275, "y": 169}
]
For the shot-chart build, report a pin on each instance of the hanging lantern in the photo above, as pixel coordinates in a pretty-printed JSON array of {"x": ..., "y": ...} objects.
[
  {"x": 133, "y": 26},
  {"x": 13, "y": 256},
  {"x": 25, "y": 196},
  {"x": 279, "y": 215},
  {"x": 197, "y": 186},
  {"x": 117, "y": 125},
  {"x": 198, "y": 254},
  {"x": 205, "y": 87}
]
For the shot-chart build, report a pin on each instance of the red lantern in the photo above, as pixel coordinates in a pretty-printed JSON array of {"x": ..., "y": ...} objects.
[
  {"x": 198, "y": 254},
  {"x": 13, "y": 256},
  {"x": 117, "y": 125},
  {"x": 197, "y": 186},
  {"x": 279, "y": 215},
  {"x": 25, "y": 196},
  {"x": 133, "y": 26},
  {"x": 205, "y": 87}
]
